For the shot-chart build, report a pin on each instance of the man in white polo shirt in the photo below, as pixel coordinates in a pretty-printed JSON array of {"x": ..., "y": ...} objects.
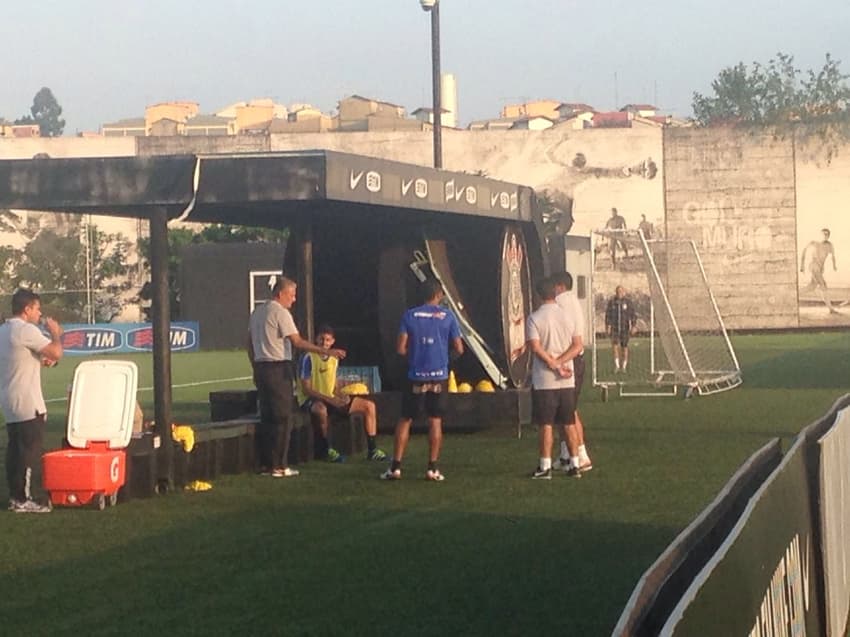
[{"x": 23, "y": 351}]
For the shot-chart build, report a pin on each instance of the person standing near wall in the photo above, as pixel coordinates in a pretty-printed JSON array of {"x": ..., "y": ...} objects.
[
  {"x": 620, "y": 322},
  {"x": 617, "y": 223},
  {"x": 554, "y": 343},
  {"x": 271, "y": 339},
  {"x": 24, "y": 349},
  {"x": 569, "y": 303},
  {"x": 424, "y": 338}
]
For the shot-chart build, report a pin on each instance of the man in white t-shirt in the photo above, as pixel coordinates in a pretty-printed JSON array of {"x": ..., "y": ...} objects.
[
  {"x": 272, "y": 336},
  {"x": 554, "y": 342},
  {"x": 24, "y": 349},
  {"x": 569, "y": 303}
]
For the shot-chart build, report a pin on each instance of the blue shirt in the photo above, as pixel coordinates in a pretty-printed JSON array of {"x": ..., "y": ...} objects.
[{"x": 429, "y": 329}]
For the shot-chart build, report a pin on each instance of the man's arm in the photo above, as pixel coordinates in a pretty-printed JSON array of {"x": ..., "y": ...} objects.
[
  {"x": 401, "y": 344},
  {"x": 336, "y": 401},
  {"x": 803, "y": 258},
  {"x": 832, "y": 253},
  {"x": 457, "y": 345},
  {"x": 53, "y": 350},
  {"x": 249, "y": 347},
  {"x": 576, "y": 345},
  {"x": 537, "y": 349},
  {"x": 307, "y": 346}
]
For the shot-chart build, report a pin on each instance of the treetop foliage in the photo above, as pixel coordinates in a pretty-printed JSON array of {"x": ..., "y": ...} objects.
[{"x": 816, "y": 104}]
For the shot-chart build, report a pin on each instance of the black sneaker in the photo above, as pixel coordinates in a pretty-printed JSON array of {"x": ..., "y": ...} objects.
[
  {"x": 573, "y": 472},
  {"x": 541, "y": 474}
]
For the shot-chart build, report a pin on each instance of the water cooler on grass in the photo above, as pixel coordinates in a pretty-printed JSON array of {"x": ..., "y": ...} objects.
[{"x": 100, "y": 425}]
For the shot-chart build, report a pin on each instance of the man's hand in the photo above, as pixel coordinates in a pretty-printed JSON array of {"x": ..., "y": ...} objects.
[
  {"x": 565, "y": 372},
  {"x": 53, "y": 328},
  {"x": 337, "y": 353},
  {"x": 46, "y": 361}
]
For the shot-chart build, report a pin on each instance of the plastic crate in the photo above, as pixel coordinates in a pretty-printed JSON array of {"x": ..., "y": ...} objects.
[{"x": 369, "y": 376}]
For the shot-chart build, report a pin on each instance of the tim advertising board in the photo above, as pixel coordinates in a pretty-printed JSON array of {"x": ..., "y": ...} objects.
[{"x": 106, "y": 338}]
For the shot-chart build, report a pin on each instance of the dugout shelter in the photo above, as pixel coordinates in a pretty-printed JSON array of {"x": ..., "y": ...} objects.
[{"x": 363, "y": 233}]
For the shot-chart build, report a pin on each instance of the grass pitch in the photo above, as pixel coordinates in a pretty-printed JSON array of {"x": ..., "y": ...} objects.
[{"x": 336, "y": 551}]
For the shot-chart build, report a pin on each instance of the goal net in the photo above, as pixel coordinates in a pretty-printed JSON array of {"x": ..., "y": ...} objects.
[{"x": 665, "y": 331}]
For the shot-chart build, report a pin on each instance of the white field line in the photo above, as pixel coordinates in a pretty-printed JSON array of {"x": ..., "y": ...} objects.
[{"x": 196, "y": 384}]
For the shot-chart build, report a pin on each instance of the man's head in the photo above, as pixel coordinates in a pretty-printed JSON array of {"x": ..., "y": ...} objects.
[
  {"x": 563, "y": 282},
  {"x": 613, "y": 212},
  {"x": 26, "y": 304},
  {"x": 825, "y": 234},
  {"x": 643, "y": 217},
  {"x": 284, "y": 292},
  {"x": 620, "y": 291},
  {"x": 325, "y": 336},
  {"x": 432, "y": 292},
  {"x": 546, "y": 289}
]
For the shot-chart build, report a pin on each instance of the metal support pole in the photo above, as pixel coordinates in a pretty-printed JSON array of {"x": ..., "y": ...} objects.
[
  {"x": 161, "y": 319},
  {"x": 437, "y": 92},
  {"x": 304, "y": 306}
]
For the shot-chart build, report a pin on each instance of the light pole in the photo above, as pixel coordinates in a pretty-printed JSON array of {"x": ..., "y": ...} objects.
[{"x": 433, "y": 7}]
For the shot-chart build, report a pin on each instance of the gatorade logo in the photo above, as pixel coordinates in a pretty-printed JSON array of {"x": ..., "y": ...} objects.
[{"x": 114, "y": 469}]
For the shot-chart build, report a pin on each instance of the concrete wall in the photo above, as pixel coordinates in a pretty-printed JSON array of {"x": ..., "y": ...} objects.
[{"x": 733, "y": 194}]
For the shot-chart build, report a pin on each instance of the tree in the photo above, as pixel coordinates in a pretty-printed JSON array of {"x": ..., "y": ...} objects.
[
  {"x": 55, "y": 266},
  {"x": 815, "y": 105},
  {"x": 45, "y": 111}
]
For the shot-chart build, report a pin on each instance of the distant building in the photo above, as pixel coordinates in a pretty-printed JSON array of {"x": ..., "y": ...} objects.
[
  {"x": 207, "y": 125},
  {"x": 612, "y": 119},
  {"x": 7, "y": 129},
  {"x": 533, "y": 123},
  {"x": 502, "y": 123},
  {"x": 640, "y": 110},
  {"x": 358, "y": 113},
  {"x": 131, "y": 127},
  {"x": 426, "y": 115},
  {"x": 572, "y": 109},
  {"x": 535, "y": 108}
]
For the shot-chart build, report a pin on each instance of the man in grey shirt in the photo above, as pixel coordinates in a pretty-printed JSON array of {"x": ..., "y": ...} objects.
[
  {"x": 272, "y": 335},
  {"x": 23, "y": 351},
  {"x": 554, "y": 342}
]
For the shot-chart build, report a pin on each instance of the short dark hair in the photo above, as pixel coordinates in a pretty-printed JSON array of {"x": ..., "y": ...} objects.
[
  {"x": 22, "y": 299},
  {"x": 563, "y": 278},
  {"x": 430, "y": 289},
  {"x": 325, "y": 328},
  {"x": 546, "y": 289}
]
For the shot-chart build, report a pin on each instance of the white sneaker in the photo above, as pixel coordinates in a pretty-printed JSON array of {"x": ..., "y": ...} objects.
[
  {"x": 30, "y": 506},
  {"x": 286, "y": 472},
  {"x": 389, "y": 474},
  {"x": 434, "y": 475}
]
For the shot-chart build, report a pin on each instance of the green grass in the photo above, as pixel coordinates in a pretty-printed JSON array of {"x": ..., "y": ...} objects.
[{"x": 336, "y": 551}]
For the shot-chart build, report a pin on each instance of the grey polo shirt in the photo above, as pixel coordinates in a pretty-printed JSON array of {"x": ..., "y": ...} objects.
[
  {"x": 20, "y": 370},
  {"x": 271, "y": 324},
  {"x": 550, "y": 325}
]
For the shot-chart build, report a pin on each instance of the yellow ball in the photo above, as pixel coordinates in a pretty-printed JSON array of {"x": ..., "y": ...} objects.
[
  {"x": 355, "y": 389},
  {"x": 485, "y": 386},
  {"x": 464, "y": 388}
]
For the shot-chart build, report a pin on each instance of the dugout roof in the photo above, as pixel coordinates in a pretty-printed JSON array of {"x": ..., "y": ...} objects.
[{"x": 252, "y": 189}]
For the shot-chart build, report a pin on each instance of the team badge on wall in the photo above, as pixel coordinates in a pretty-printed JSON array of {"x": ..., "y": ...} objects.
[{"x": 516, "y": 303}]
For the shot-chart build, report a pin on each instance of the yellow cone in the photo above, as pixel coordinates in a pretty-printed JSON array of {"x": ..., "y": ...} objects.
[
  {"x": 485, "y": 386},
  {"x": 464, "y": 388},
  {"x": 452, "y": 383}
]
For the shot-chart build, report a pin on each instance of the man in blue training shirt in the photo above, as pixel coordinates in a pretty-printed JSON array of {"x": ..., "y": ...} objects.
[{"x": 424, "y": 337}]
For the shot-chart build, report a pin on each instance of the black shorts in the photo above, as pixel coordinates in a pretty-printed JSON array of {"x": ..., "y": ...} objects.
[
  {"x": 553, "y": 406},
  {"x": 430, "y": 398},
  {"x": 307, "y": 406},
  {"x": 621, "y": 339},
  {"x": 578, "y": 374}
]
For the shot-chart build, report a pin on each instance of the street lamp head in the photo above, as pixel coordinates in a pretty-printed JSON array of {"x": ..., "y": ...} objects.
[{"x": 427, "y": 5}]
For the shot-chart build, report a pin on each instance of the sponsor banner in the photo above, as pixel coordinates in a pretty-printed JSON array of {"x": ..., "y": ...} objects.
[
  {"x": 835, "y": 521},
  {"x": 762, "y": 580},
  {"x": 106, "y": 338}
]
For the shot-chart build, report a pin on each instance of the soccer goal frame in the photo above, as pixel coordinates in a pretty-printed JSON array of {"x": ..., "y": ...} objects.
[{"x": 685, "y": 344}]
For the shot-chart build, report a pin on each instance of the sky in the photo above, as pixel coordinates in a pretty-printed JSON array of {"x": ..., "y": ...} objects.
[{"x": 107, "y": 60}]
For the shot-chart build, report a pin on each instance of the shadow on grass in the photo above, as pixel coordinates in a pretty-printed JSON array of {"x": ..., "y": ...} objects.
[{"x": 338, "y": 569}]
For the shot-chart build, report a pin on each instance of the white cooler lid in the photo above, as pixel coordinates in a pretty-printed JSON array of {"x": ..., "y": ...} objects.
[{"x": 103, "y": 402}]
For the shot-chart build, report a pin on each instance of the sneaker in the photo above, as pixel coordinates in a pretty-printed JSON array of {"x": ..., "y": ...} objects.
[
  {"x": 389, "y": 474},
  {"x": 573, "y": 472},
  {"x": 541, "y": 474},
  {"x": 376, "y": 454},
  {"x": 285, "y": 472},
  {"x": 434, "y": 475},
  {"x": 586, "y": 465},
  {"x": 335, "y": 456},
  {"x": 30, "y": 506}
]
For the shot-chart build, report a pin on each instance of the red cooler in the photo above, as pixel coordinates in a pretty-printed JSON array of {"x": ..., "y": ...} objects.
[{"x": 100, "y": 425}]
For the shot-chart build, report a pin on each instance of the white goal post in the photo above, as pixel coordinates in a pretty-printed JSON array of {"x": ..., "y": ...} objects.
[{"x": 672, "y": 334}]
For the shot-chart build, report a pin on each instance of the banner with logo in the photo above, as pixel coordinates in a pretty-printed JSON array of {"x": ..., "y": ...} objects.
[{"x": 122, "y": 338}]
